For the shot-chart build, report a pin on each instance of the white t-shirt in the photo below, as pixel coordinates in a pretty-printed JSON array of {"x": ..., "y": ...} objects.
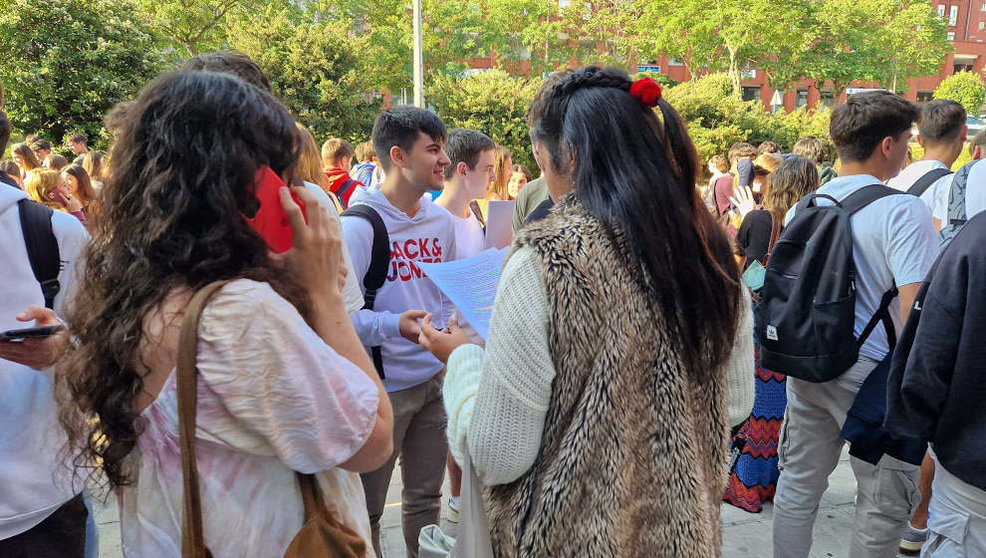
[
  {"x": 34, "y": 479},
  {"x": 470, "y": 238},
  {"x": 915, "y": 171},
  {"x": 975, "y": 194},
  {"x": 894, "y": 243}
]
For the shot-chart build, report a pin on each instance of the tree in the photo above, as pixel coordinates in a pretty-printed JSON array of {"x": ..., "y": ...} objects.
[
  {"x": 67, "y": 63},
  {"x": 193, "y": 26},
  {"x": 966, "y": 88},
  {"x": 729, "y": 34},
  {"x": 314, "y": 69},
  {"x": 916, "y": 42},
  {"x": 492, "y": 102}
]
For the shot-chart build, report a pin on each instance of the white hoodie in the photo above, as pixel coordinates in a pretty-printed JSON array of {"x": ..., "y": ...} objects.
[
  {"x": 34, "y": 481},
  {"x": 429, "y": 236}
]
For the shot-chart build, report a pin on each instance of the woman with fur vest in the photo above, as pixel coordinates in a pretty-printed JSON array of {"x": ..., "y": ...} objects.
[{"x": 597, "y": 413}]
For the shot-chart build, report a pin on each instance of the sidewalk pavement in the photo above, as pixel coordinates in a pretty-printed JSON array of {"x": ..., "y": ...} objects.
[{"x": 745, "y": 535}]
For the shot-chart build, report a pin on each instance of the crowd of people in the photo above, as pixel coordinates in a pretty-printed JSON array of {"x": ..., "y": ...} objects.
[{"x": 233, "y": 330}]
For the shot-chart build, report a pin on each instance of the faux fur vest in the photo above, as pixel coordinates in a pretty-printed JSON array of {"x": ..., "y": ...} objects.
[{"x": 633, "y": 454}]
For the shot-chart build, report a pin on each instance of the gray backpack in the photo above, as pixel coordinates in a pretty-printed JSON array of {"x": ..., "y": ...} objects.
[{"x": 956, "y": 206}]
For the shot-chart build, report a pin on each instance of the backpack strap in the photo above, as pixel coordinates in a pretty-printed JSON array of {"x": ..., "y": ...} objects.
[
  {"x": 865, "y": 196},
  {"x": 956, "y": 196},
  {"x": 474, "y": 207},
  {"x": 921, "y": 186},
  {"x": 376, "y": 274},
  {"x": 42, "y": 247}
]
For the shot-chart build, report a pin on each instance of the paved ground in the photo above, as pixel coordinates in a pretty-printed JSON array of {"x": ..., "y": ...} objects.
[{"x": 745, "y": 535}]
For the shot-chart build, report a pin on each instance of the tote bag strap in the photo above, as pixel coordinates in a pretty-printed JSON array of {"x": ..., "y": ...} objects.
[{"x": 192, "y": 538}]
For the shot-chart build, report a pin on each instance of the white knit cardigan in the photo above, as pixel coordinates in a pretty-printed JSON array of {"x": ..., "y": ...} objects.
[{"x": 497, "y": 399}]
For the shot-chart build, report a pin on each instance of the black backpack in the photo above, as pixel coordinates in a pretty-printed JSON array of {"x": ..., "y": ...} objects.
[
  {"x": 927, "y": 179},
  {"x": 376, "y": 274},
  {"x": 42, "y": 247},
  {"x": 806, "y": 311}
]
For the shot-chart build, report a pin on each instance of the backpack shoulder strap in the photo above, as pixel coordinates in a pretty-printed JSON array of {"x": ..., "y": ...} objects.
[
  {"x": 956, "y": 196},
  {"x": 921, "y": 186},
  {"x": 42, "y": 247},
  {"x": 376, "y": 274},
  {"x": 865, "y": 196}
]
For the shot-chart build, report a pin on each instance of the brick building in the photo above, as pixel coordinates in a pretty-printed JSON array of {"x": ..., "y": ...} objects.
[{"x": 966, "y": 31}]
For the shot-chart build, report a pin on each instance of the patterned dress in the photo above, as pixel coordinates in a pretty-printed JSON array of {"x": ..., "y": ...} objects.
[{"x": 753, "y": 478}]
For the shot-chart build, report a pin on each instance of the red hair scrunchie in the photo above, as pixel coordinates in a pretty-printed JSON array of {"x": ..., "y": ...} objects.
[{"x": 647, "y": 91}]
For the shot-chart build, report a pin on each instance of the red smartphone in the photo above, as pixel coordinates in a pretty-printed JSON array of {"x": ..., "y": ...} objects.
[{"x": 271, "y": 222}]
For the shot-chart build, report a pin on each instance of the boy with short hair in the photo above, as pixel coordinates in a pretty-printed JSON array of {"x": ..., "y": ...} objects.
[
  {"x": 472, "y": 154},
  {"x": 410, "y": 143},
  {"x": 813, "y": 149},
  {"x": 893, "y": 244},
  {"x": 337, "y": 157},
  {"x": 942, "y": 134}
]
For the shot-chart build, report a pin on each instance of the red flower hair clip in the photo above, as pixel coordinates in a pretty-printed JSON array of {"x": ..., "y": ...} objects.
[{"x": 647, "y": 91}]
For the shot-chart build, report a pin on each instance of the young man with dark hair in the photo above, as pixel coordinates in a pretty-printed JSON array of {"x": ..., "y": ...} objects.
[
  {"x": 472, "y": 155},
  {"x": 41, "y": 148},
  {"x": 79, "y": 146},
  {"x": 4, "y": 139},
  {"x": 337, "y": 157},
  {"x": 813, "y": 149},
  {"x": 942, "y": 134},
  {"x": 893, "y": 243},
  {"x": 410, "y": 143}
]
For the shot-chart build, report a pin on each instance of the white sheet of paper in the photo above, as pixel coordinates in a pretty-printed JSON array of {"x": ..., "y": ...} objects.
[
  {"x": 470, "y": 284},
  {"x": 499, "y": 223}
]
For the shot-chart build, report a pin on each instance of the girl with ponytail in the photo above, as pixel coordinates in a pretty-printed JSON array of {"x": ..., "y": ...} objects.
[{"x": 598, "y": 412}]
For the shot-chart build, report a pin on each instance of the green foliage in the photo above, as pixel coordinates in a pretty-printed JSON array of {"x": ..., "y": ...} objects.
[
  {"x": 314, "y": 69},
  {"x": 67, "y": 63},
  {"x": 492, "y": 102},
  {"x": 966, "y": 88},
  {"x": 193, "y": 26},
  {"x": 716, "y": 119}
]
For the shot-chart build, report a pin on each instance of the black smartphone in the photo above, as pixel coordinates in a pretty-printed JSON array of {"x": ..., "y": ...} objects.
[{"x": 19, "y": 335}]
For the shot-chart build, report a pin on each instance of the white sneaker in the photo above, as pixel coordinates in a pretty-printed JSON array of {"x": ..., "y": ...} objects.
[
  {"x": 913, "y": 539},
  {"x": 453, "y": 511}
]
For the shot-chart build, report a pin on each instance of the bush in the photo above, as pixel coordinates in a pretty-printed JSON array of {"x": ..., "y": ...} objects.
[
  {"x": 964, "y": 87},
  {"x": 493, "y": 102},
  {"x": 716, "y": 119}
]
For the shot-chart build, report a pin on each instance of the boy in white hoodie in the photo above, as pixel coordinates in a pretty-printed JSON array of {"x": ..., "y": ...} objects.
[{"x": 410, "y": 143}]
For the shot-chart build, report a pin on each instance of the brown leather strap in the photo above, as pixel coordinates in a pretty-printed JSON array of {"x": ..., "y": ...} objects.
[
  {"x": 192, "y": 538},
  {"x": 311, "y": 497}
]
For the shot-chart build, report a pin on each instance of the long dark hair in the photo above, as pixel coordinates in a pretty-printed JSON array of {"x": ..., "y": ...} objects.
[
  {"x": 184, "y": 163},
  {"x": 636, "y": 174},
  {"x": 84, "y": 189}
]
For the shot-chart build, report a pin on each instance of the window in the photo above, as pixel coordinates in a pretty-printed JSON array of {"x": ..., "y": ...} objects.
[
  {"x": 982, "y": 25},
  {"x": 566, "y": 3},
  {"x": 748, "y": 74},
  {"x": 751, "y": 92},
  {"x": 953, "y": 15},
  {"x": 672, "y": 61},
  {"x": 941, "y": 8},
  {"x": 950, "y": 36},
  {"x": 984, "y": 7},
  {"x": 801, "y": 99},
  {"x": 925, "y": 95},
  {"x": 827, "y": 98}
]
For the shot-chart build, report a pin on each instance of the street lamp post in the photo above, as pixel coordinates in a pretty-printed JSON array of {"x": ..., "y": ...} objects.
[{"x": 418, "y": 54}]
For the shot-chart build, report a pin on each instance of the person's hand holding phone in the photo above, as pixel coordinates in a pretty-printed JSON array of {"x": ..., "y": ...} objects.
[
  {"x": 315, "y": 258},
  {"x": 38, "y": 353}
]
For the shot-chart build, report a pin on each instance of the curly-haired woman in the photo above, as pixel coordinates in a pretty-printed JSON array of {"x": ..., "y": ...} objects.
[{"x": 283, "y": 383}]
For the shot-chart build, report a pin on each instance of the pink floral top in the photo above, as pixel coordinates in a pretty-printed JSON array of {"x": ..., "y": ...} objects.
[{"x": 273, "y": 398}]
